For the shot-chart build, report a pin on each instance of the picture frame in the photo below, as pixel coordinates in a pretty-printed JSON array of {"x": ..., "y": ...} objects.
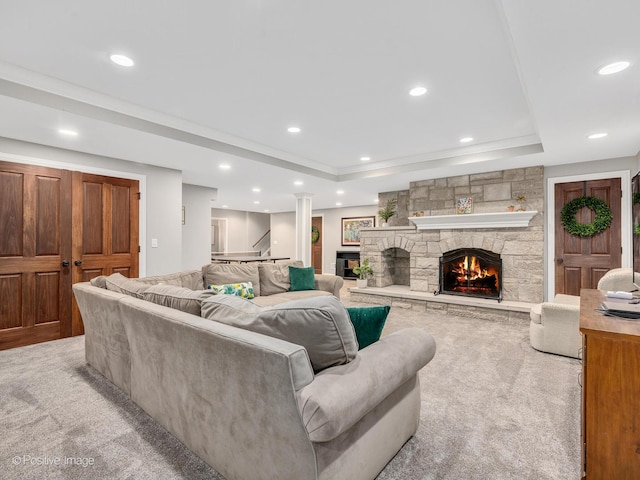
[
  {"x": 351, "y": 229},
  {"x": 464, "y": 205}
]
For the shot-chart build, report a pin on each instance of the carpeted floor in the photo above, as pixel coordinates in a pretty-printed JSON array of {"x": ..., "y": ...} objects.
[{"x": 492, "y": 408}]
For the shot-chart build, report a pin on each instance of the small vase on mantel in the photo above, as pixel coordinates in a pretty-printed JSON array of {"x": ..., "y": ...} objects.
[
  {"x": 384, "y": 225},
  {"x": 361, "y": 282}
]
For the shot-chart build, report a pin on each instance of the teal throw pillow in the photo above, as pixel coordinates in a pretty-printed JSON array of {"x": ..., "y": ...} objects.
[
  {"x": 368, "y": 323},
  {"x": 302, "y": 278}
]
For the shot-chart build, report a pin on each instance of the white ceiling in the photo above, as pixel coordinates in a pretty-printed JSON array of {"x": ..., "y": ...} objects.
[{"x": 221, "y": 81}]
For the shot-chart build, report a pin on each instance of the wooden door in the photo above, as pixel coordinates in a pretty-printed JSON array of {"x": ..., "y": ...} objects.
[
  {"x": 316, "y": 247},
  {"x": 581, "y": 261},
  {"x": 105, "y": 229},
  {"x": 35, "y": 250}
]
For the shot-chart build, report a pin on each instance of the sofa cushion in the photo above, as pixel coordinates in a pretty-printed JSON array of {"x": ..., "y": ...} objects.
[
  {"x": 121, "y": 284},
  {"x": 179, "y": 298},
  {"x": 244, "y": 289},
  {"x": 100, "y": 281},
  {"x": 191, "y": 279},
  {"x": 274, "y": 277},
  {"x": 302, "y": 278},
  {"x": 278, "y": 298},
  {"x": 320, "y": 324},
  {"x": 223, "y": 273},
  {"x": 368, "y": 323},
  {"x": 228, "y": 308}
]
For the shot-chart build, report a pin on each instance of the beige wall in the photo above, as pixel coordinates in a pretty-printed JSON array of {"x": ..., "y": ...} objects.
[{"x": 196, "y": 230}]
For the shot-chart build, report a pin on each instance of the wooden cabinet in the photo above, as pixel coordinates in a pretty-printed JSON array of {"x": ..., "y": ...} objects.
[{"x": 610, "y": 392}]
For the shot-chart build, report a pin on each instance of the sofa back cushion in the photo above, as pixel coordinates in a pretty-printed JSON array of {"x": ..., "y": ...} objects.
[
  {"x": 191, "y": 279},
  {"x": 179, "y": 298},
  {"x": 121, "y": 284},
  {"x": 274, "y": 277},
  {"x": 223, "y": 273},
  {"x": 320, "y": 324}
]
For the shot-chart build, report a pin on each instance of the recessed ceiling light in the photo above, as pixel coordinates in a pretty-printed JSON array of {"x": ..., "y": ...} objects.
[
  {"x": 338, "y": 204},
  {"x": 298, "y": 182},
  {"x": 594, "y": 136},
  {"x": 224, "y": 166},
  {"x": 225, "y": 206},
  {"x": 256, "y": 189},
  {"x": 340, "y": 192},
  {"x": 266, "y": 211},
  {"x": 466, "y": 140},
  {"x": 68, "y": 132},
  {"x": 365, "y": 159},
  {"x": 293, "y": 129},
  {"x": 614, "y": 67},
  {"x": 417, "y": 91},
  {"x": 121, "y": 60},
  {"x": 256, "y": 202}
]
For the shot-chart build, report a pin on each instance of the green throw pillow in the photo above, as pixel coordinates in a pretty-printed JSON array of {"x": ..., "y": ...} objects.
[
  {"x": 368, "y": 323},
  {"x": 302, "y": 278},
  {"x": 244, "y": 289}
]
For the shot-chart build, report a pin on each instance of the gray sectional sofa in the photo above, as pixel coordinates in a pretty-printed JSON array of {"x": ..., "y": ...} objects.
[{"x": 250, "y": 404}]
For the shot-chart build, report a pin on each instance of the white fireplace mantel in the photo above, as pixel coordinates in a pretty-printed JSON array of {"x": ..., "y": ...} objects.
[{"x": 475, "y": 220}]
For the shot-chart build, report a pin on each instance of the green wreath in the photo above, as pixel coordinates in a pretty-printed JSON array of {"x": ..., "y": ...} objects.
[
  {"x": 600, "y": 223},
  {"x": 315, "y": 234}
]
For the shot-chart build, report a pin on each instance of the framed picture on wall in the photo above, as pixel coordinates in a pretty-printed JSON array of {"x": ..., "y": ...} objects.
[{"x": 351, "y": 229}]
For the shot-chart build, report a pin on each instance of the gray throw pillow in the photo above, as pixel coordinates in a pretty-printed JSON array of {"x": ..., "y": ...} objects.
[
  {"x": 274, "y": 277},
  {"x": 320, "y": 324},
  {"x": 222, "y": 274},
  {"x": 121, "y": 284},
  {"x": 176, "y": 297}
]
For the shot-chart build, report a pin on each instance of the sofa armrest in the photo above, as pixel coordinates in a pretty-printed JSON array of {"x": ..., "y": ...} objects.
[
  {"x": 340, "y": 396},
  {"x": 559, "y": 313},
  {"x": 329, "y": 283}
]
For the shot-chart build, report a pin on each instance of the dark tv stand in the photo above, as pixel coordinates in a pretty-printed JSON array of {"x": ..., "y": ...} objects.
[{"x": 342, "y": 264}]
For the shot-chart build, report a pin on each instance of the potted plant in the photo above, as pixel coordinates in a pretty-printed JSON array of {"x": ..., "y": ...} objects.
[
  {"x": 364, "y": 272},
  {"x": 388, "y": 211},
  {"x": 511, "y": 208},
  {"x": 521, "y": 199}
]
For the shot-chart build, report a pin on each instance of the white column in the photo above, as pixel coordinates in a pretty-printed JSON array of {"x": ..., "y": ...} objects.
[{"x": 303, "y": 228}]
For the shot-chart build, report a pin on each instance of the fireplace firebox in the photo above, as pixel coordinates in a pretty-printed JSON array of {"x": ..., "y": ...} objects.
[{"x": 471, "y": 272}]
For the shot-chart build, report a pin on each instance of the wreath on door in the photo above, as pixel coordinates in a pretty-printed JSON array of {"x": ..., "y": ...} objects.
[
  {"x": 315, "y": 234},
  {"x": 599, "y": 224}
]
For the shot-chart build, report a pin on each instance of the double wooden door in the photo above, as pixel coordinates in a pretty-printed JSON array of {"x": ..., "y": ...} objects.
[
  {"x": 316, "y": 247},
  {"x": 580, "y": 262},
  {"x": 58, "y": 228}
]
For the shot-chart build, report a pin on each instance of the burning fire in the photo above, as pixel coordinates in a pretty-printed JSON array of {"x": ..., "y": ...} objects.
[{"x": 470, "y": 269}]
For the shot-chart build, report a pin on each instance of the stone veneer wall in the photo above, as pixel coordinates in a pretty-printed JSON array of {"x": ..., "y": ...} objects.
[{"x": 521, "y": 249}]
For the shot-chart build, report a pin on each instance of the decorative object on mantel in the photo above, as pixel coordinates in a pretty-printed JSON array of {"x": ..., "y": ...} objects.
[
  {"x": 599, "y": 224},
  {"x": 419, "y": 214},
  {"x": 364, "y": 272},
  {"x": 511, "y": 208},
  {"x": 351, "y": 229},
  {"x": 388, "y": 211},
  {"x": 315, "y": 234},
  {"x": 475, "y": 220},
  {"x": 464, "y": 205},
  {"x": 521, "y": 199}
]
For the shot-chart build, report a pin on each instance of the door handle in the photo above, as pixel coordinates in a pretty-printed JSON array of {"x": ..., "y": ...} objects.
[
  {"x": 77, "y": 263},
  {"x": 65, "y": 263},
  {"x": 560, "y": 261}
]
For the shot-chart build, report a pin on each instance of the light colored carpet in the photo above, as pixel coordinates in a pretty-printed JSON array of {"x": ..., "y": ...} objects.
[{"x": 492, "y": 408}]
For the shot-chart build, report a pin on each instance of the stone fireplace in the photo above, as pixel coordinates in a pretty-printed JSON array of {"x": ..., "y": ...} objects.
[{"x": 404, "y": 255}]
